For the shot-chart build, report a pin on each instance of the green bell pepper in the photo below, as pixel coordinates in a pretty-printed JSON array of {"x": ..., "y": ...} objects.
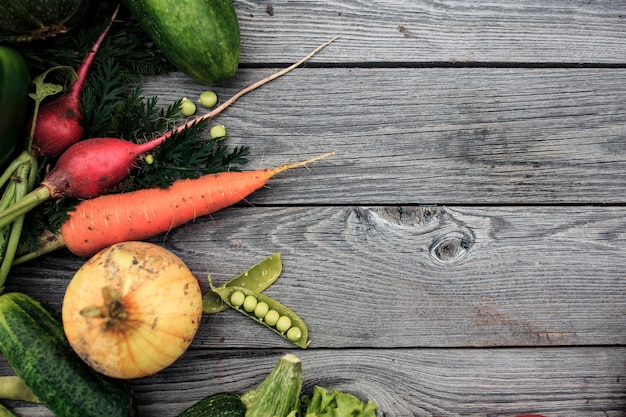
[{"x": 14, "y": 83}]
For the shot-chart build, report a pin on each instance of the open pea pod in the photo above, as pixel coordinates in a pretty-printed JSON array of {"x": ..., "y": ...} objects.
[
  {"x": 266, "y": 311},
  {"x": 258, "y": 279}
]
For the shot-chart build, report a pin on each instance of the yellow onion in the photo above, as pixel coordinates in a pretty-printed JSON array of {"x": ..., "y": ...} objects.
[{"x": 132, "y": 310}]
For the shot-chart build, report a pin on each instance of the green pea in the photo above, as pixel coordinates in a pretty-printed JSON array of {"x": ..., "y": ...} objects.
[
  {"x": 271, "y": 317},
  {"x": 249, "y": 303},
  {"x": 294, "y": 334},
  {"x": 261, "y": 309},
  {"x": 149, "y": 159},
  {"x": 237, "y": 298},
  {"x": 208, "y": 99},
  {"x": 187, "y": 107},
  {"x": 283, "y": 324},
  {"x": 276, "y": 316},
  {"x": 218, "y": 132}
]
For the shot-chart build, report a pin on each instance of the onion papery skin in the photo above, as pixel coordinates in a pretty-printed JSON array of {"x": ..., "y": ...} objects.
[{"x": 153, "y": 321}]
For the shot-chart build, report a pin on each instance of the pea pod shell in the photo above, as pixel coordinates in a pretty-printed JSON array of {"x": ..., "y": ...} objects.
[
  {"x": 258, "y": 279},
  {"x": 296, "y": 321}
]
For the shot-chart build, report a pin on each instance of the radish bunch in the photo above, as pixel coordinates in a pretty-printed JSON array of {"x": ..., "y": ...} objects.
[
  {"x": 91, "y": 166},
  {"x": 55, "y": 126}
]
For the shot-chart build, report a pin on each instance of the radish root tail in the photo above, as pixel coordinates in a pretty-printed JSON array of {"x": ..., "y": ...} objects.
[{"x": 248, "y": 89}]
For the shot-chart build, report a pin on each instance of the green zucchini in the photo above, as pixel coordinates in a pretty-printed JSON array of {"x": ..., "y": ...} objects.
[
  {"x": 14, "y": 82},
  {"x": 29, "y": 20},
  {"x": 34, "y": 343},
  {"x": 199, "y": 37},
  {"x": 224, "y": 404},
  {"x": 279, "y": 393}
]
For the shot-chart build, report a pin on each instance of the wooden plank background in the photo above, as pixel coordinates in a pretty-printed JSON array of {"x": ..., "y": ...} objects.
[{"x": 462, "y": 254}]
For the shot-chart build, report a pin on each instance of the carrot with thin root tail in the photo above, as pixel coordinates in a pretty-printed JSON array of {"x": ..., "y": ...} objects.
[
  {"x": 90, "y": 167},
  {"x": 103, "y": 221}
]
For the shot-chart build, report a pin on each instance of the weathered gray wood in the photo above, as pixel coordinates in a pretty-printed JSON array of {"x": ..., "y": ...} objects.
[
  {"x": 434, "y": 382},
  {"x": 378, "y": 277},
  {"x": 406, "y": 31},
  {"x": 380, "y": 282},
  {"x": 503, "y": 293},
  {"x": 557, "y": 382},
  {"x": 431, "y": 136}
]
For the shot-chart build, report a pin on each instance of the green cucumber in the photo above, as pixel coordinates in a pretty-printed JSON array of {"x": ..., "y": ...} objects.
[
  {"x": 199, "y": 37},
  {"x": 34, "y": 343},
  {"x": 224, "y": 404},
  {"x": 14, "y": 82},
  {"x": 29, "y": 20}
]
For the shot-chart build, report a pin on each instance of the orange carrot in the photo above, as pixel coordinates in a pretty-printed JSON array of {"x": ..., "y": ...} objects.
[{"x": 103, "y": 221}]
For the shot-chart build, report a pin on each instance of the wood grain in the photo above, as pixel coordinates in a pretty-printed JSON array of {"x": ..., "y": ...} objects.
[
  {"x": 409, "y": 32},
  {"x": 560, "y": 382},
  {"x": 391, "y": 277},
  {"x": 431, "y": 136},
  {"x": 462, "y": 254}
]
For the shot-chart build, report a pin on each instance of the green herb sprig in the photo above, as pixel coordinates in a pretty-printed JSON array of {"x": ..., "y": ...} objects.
[{"x": 113, "y": 105}]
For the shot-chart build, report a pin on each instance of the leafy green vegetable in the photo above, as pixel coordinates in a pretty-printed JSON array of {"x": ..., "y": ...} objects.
[
  {"x": 126, "y": 43},
  {"x": 113, "y": 105},
  {"x": 335, "y": 404},
  {"x": 184, "y": 155},
  {"x": 104, "y": 96},
  {"x": 279, "y": 395}
]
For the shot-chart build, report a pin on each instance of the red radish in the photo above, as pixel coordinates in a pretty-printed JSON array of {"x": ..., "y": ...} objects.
[
  {"x": 92, "y": 166},
  {"x": 59, "y": 122}
]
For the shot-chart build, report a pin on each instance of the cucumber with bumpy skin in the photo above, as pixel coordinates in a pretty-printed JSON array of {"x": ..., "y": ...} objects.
[
  {"x": 199, "y": 37},
  {"x": 217, "y": 405},
  {"x": 34, "y": 343}
]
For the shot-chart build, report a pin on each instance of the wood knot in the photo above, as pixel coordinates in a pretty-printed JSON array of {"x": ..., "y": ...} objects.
[
  {"x": 411, "y": 215},
  {"x": 451, "y": 247}
]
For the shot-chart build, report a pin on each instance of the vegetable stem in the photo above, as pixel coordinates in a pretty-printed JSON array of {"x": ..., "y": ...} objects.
[
  {"x": 8, "y": 196},
  {"x": 22, "y": 181},
  {"x": 24, "y": 205},
  {"x": 49, "y": 242},
  {"x": 21, "y": 188},
  {"x": 23, "y": 158},
  {"x": 12, "y": 387}
]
